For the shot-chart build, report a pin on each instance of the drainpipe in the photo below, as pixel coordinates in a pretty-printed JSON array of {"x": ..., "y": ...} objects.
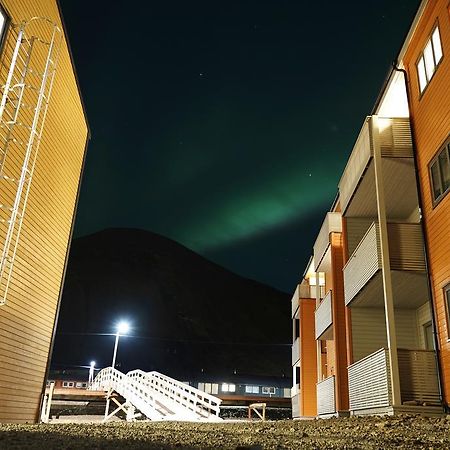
[{"x": 425, "y": 243}]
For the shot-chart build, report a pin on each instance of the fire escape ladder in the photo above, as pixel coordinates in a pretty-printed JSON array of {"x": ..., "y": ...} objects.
[{"x": 30, "y": 58}]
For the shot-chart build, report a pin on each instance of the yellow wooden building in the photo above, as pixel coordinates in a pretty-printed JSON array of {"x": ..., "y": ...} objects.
[{"x": 43, "y": 137}]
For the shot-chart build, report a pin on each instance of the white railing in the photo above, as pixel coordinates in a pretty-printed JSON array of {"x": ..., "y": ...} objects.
[
  {"x": 302, "y": 291},
  {"x": 332, "y": 223},
  {"x": 159, "y": 397},
  {"x": 368, "y": 382},
  {"x": 418, "y": 376},
  {"x": 362, "y": 264},
  {"x": 370, "y": 386},
  {"x": 323, "y": 315},
  {"x": 296, "y": 351},
  {"x": 326, "y": 403}
]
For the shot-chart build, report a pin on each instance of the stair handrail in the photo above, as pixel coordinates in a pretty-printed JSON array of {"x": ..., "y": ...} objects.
[{"x": 159, "y": 396}]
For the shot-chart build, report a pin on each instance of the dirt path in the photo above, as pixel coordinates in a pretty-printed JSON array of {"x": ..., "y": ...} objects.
[{"x": 355, "y": 433}]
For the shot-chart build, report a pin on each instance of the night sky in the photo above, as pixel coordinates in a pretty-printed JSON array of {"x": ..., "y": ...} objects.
[{"x": 225, "y": 125}]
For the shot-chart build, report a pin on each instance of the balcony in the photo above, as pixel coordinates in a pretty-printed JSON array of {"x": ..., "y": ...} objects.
[
  {"x": 302, "y": 291},
  {"x": 369, "y": 381},
  {"x": 324, "y": 318},
  {"x": 332, "y": 223},
  {"x": 326, "y": 403},
  {"x": 362, "y": 273},
  {"x": 357, "y": 185},
  {"x": 295, "y": 351}
]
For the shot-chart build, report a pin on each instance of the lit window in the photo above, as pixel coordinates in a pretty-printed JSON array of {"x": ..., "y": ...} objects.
[
  {"x": 268, "y": 390},
  {"x": 252, "y": 389},
  {"x": 440, "y": 173},
  {"x": 429, "y": 59},
  {"x": 228, "y": 387}
]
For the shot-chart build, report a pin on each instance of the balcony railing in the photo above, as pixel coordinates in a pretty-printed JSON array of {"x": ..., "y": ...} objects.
[
  {"x": 302, "y": 291},
  {"x": 332, "y": 223},
  {"x": 296, "y": 351},
  {"x": 295, "y": 406},
  {"x": 394, "y": 138},
  {"x": 405, "y": 250},
  {"x": 326, "y": 402},
  {"x": 369, "y": 381},
  {"x": 323, "y": 315}
]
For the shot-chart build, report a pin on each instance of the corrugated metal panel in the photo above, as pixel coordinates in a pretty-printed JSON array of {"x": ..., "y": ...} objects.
[
  {"x": 406, "y": 247},
  {"x": 395, "y": 138},
  {"x": 332, "y": 223},
  {"x": 356, "y": 165},
  {"x": 295, "y": 351},
  {"x": 368, "y": 382},
  {"x": 418, "y": 376},
  {"x": 363, "y": 264},
  {"x": 323, "y": 315},
  {"x": 326, "y": 403}
]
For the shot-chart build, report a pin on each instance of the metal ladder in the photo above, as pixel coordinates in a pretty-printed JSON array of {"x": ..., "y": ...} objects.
[
  {"x": 156, "y": 396},
  {"x": 29, "y": 58}
]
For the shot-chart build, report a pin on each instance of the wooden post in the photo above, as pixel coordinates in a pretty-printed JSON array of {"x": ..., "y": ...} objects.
[{"x": 386, "y": 268}]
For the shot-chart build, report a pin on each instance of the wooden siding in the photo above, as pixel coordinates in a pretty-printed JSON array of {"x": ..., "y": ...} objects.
[
  {"x": 308, "y": 363},
  {"x": 369, "y": 330},
  {"x": 430, "y": 114},
  {"x": 28, "y": 319}
]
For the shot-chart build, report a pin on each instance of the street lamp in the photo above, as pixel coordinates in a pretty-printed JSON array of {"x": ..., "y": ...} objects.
[
  {"x": 122, "y": 328},
  {"x": 91, "y": 373}
]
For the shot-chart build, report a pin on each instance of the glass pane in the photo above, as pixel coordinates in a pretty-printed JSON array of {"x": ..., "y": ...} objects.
[
  {"x": 444, "y": 165},
  {"x": 435, "y": 181},
  {"x": 422, "y": 76},
  {"x": 437, "y": 45},
  {"x": 429, "y": 60},
  {"x": 2, "y": 23}
]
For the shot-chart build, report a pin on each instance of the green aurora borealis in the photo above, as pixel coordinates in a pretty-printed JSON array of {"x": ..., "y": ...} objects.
[{"x": 226, "y": 125}]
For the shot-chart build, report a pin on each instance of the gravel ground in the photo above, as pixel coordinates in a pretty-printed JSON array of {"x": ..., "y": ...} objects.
[{"x": 400, "y": 432}]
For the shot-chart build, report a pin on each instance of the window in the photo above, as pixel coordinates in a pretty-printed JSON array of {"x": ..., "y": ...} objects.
[
  {"x": 252, "y": 389},
  {"x": 428, "y": 335},
  {"x": 81, "y": 385},
  {"x": 68, "y": 384},
  {"x": 447, "y": 304},
  {"x": 268, "y": 390},
  {"x": 228, "y": 387},
  {"x": 429, "y": 59},
  {"x": 440, "y": 173}
]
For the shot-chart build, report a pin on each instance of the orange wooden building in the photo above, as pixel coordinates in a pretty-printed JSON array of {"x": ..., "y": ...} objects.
[
  {"x": 383, "y": 320},
  {"x": 426, "y": 59},
  {"x": 43, "y": 137}
]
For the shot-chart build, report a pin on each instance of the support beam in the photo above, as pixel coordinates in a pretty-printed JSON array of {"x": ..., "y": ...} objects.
[{"x": 386, "y": 268}]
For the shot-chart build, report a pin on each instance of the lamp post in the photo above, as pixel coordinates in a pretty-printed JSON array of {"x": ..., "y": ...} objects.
[
  {"x": 91, "y": 373},
  {"x": 122, "y": 328}
]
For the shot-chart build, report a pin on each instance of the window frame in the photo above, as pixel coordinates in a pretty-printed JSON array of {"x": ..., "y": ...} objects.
[
  {"x": 422, "y": 58},
  {"x": 446, "y": 292},
  {"x": 435, "y": 160},
  {"x": 5, "y": 27}
]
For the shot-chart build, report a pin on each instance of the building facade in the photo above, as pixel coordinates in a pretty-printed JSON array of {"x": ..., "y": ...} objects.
[
  {"x": 389, "y": 232},
  {"x": 43, "y": 137}
]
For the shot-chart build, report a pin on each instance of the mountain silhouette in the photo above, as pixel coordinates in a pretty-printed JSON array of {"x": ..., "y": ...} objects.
[{"x": 188, "y": 316}]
